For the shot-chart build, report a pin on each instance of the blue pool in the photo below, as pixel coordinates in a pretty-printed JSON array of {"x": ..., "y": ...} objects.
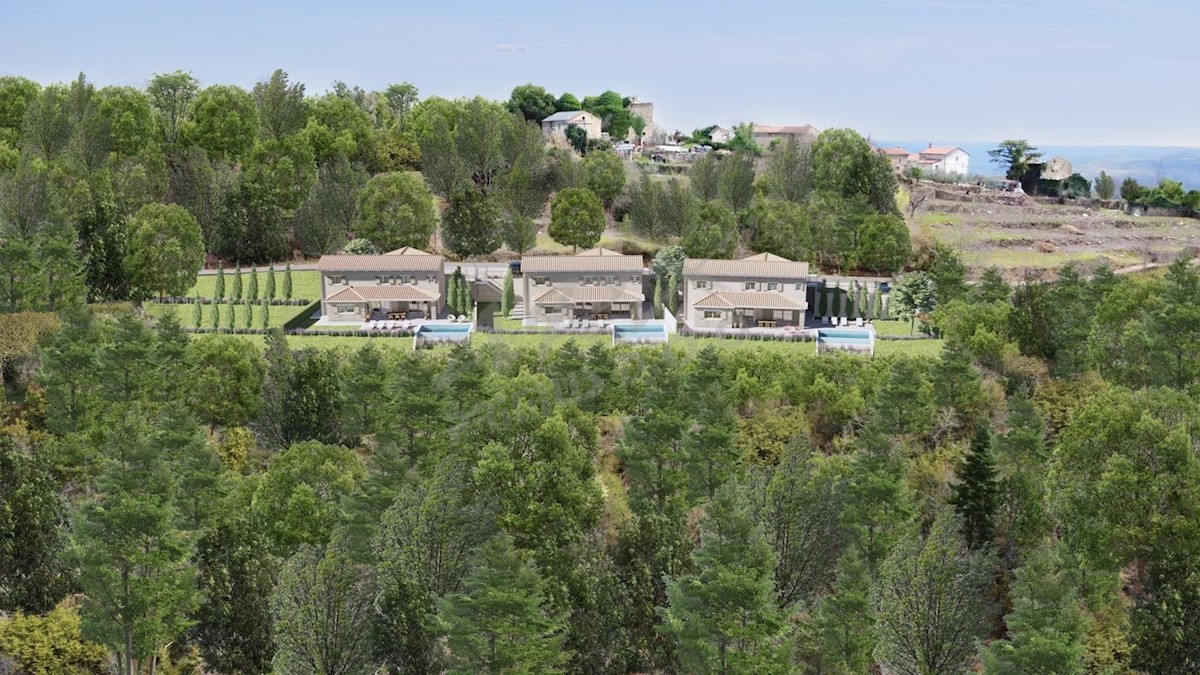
[
  {"x": 443, "y": 330},
  {"x": 650, "y": 332},
  {"x": 847, "y": 339}
]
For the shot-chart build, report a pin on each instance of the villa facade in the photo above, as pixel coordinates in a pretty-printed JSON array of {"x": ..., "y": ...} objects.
[
  {"x": 763, "y": 290},
  {"x": 594, "y": 284},
  {"x": 405, "y": 283}
]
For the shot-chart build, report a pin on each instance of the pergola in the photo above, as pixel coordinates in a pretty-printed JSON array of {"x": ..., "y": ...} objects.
[
  {"x": 743, "y": 304},
  {"x": 366, "y": 297}
]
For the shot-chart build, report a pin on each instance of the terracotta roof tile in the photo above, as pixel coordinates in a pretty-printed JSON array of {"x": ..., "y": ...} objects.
[
  {"x": 749, "y": 300},
  {"x": 755, "y": 267},
  {"x": 534, "y": 264},
  {"x": 367, "y": 293}
]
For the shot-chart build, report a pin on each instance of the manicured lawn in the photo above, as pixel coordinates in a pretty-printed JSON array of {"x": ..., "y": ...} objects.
[
  {"x": 306, "y": 284},
  {"x": 278, "y": 316},
  {"x": 895, "y": 327},
  {"x": 550, "y": 341}
]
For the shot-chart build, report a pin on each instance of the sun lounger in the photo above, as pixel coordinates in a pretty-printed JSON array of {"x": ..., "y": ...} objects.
[{"x": 858, "y": 322}]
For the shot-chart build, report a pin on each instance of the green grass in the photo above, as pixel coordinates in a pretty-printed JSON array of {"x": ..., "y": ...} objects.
[
  {"x": 279, "y": 314},
  {"x": 550, "y": 341},
  {"x": 1026, "y": 258},
  {"x": 893, "y": 327},
  {"x": 306, "y": 284}
]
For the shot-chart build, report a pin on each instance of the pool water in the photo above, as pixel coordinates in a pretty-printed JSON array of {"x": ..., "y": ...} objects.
[
  {"x": 652, "y": 332},
  {"x": 444, "y": 329},
  {"x": 841, "y": 336},
  {"x": 634, "y": 328}
]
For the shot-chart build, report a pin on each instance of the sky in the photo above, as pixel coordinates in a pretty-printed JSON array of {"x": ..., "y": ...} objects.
[{"x": 1097, "y": 72}]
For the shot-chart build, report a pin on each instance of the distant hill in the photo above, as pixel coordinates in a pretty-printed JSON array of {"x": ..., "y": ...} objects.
[{"x": 1146, "y": 163}]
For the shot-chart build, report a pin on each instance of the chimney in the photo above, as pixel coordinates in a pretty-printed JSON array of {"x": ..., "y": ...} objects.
[{"x": 930, "y": 146}]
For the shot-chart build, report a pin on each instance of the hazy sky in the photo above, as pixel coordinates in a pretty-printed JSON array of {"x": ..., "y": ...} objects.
[{"x": 1052, "y": 71}]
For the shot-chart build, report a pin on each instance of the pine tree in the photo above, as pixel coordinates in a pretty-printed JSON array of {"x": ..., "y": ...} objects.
[
  {"x": 269, "y": 291},
  {"x": 838, "y": 636},
  {"x": 197, "y": 312},
  {"x": 1045, "y": 626},
  {"x": 992, "y": 286},
  {"x": 975, "y": 494},
  {"x": 236, "y": 296},
  {"x": 219, "y": 291},
  {"x": 723, "y": 617},
  {"x": 501, "y": 621},
  {"x": 509, "y": 297},
  {"x": 252, "y": 287},
  {"x": 136, "y": 577},
  {"x": 287, "y": 282}
]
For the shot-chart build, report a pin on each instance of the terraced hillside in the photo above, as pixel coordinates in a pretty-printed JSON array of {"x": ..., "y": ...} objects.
[{"x": 1031, "y": 236}]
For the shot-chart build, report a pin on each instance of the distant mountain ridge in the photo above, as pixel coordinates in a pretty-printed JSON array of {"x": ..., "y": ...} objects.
[{"x": 1146, "y": 163}]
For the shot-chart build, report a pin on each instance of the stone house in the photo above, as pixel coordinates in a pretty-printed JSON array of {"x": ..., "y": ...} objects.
[
  {"x": 357, "y": 288},
  {"x": 555, "y": 126},
  {"x": 763, "y": 290},
  {"x": 593, "y": 284}
]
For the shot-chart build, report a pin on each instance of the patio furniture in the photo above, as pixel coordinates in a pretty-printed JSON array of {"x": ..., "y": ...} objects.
[
  {"x": 767, "y": 323},
  {"x": 587, "y": 324},
  {"x": 824, "y": 321},
  {"x": 844, "y": 322},
  {"x": 462, "y": 318},
  {"x": 858, "y": 323}
]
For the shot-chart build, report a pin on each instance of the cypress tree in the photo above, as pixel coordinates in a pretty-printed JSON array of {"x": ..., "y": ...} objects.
[
  {"x": 252, "y": 287},
  {"x": 230, "y": 317},
  {"x": 509, "y": 297},
  {"x": 266, "y": 314},
  {"x": 822, "y": 308},
  {"x": 270, "y": 289},
  {"x": 862, "y": 302},
  {"x": 219, "y": 292},
  {"x": 248, "y": 318},
  {"x": 975, "y": 495},
  {"x": 215, "y": 319},
  {"x": 197, "y": 312},
  {"x": 877, "y": 304},
  {"x": 658, "y": 297},
  {"x": 237, "y": 285},
  {"x": 884, "y": 302},
  {"x": 287, "y": 282},
  {"x": 673, "y": 293}
]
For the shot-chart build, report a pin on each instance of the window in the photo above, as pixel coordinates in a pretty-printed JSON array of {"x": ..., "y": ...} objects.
[
  {"x": 609, "y": 281},
  {"x": 634, "y": 280},
  {"x": 772, "y": 286},
  {"x": 413, "y": 280},
  {"x": 345, "y": 309},
  {"x": 384, "y": 280},
  {"x": 711, "y": 314},
  {"x": 703, "y": 283},
  {"x": 333, "y": 280},
  {"x": 800, "y": 286},
  {"x": 541, "y": 281},
  {"x": 431, "y": 279},
  {"x": 750, "y": 286},
  {"x": 551, "y": 309}
]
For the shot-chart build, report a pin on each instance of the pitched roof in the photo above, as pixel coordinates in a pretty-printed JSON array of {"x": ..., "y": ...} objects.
[
  {"x": 762, "y": 266},
  {"x": 581, "y": 263},
  {"x": 895, "y": 151},
  {"x": 766, "y": 257},
  {"x": 599, "y": 250},
  {"x": 553, "y": 297},
  {"x": 564, "y": 116},
  {"x": 567, "y": 295},
  {"x": 940, "y": 150},
  {"x": 367, "y": 293},
  {"x": 393, "y": 262},
  {"x": 407, "y": 250},
  {"x": 748, "y": 300}
]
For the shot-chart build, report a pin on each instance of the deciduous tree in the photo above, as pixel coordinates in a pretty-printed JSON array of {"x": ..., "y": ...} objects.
[
  {"x": 165, "y": 251},
  {"x": 576, "y": 218},
  {"x": 396, "y": 210}
]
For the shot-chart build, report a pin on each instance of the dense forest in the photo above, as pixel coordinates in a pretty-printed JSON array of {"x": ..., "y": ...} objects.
[{"x": 1026, "y": 501}]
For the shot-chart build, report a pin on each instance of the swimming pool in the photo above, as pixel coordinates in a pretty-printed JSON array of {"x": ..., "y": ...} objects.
[
  {"x": 444, "y": 330},
  {"x": 845, "y": 339},
  {"x": 648, "y": 332}
]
